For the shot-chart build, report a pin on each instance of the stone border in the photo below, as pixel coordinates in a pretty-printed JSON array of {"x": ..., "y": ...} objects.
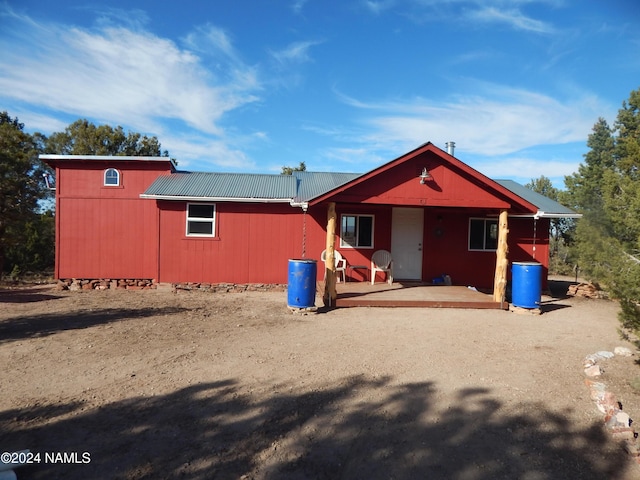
[
  {"x": 616, "y": 421},
  {"x": 75, "y": 284},
  {"x": 228, "y": 287}
]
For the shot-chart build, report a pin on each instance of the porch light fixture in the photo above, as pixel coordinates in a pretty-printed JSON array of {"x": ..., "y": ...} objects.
[{"x": 425, "y": 176}]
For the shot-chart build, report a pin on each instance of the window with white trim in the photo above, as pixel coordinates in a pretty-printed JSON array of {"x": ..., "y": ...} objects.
[
  {"x": 111, "y": 177},
  {"x": 356, "y": 231},
  {"x": 201, "y": 219},
  {"x": 483, "y": 234}
]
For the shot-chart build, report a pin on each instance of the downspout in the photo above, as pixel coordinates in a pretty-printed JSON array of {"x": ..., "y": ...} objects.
[
  {"x": 158, "y": 255},
  {"x": 535, "y": 235},
  {"x": 304, "y": 206},
  {"x": 304, "y": 231}
]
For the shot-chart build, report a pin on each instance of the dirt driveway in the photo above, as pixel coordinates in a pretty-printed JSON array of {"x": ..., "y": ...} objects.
[{"x": 198, "y": 386}]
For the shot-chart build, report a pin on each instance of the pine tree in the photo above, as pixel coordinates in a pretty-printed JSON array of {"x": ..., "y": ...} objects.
[
  {"x": 20, "y": 182},
  {"x": 607, "y": 191}
]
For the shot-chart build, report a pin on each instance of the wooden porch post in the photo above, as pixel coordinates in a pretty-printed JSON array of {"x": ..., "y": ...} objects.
[
  {"x": 502, "y": 262},
  {"x": 330, "y": 293}
]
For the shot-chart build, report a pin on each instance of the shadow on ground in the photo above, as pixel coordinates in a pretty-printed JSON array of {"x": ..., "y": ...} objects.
[
  {"x": 23, "y": 327},
  {"x": 24, "y": 295},
  {"x": 369, "y": 429}
]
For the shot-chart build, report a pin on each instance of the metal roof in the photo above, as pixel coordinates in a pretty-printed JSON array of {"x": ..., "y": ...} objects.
[
  {"x": 546, "y": 207},
  {"x": 297, "y": 189},
  {"x": 221, "y": 186},
  {"x": 312, "y": 184}
]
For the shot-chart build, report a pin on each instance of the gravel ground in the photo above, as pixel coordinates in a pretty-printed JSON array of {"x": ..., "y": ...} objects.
[{"x": 152, "y": 384}]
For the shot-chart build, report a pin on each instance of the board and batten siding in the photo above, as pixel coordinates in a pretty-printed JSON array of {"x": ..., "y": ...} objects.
[
  {"x": 252, "y": 244},
  {"x": 105, "y": 232}
]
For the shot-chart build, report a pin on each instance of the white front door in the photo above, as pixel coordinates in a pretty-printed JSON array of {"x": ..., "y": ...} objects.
[{"x": 406, "y": 243}]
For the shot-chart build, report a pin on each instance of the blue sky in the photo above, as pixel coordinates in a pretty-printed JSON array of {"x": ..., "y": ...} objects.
[{"x": 251, "y": 86}]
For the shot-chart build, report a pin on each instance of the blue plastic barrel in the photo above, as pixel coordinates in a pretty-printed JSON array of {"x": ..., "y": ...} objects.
[
  {"x": 526, "y": 284},
  {"x": 301, "y": 289}
]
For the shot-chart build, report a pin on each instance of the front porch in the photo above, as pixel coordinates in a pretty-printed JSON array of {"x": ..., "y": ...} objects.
[{"x": 412, "y": 294}]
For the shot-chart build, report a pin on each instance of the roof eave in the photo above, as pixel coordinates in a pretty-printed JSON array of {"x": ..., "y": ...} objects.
[
  {"x": 190, "y": 198},
  {"x": 50, "y": 156},
  {"x": 541, "y": 214}
]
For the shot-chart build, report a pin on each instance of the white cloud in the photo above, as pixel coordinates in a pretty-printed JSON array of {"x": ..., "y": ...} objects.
[
  {"x": 525, "y": 169},
  {"x": 377, "y": 7},
  {"x": 497, "y": 121},
  {"x": 39, "y": 122},
  {"x": 204, "y": 153},
  {"x": 296, "y": 52},
  {"x": 211, "y": 40},
  {"x": 477, "y": 12},
  {"x": 298, "y": 5},
  {"x": 511, "y": 17},
  {"x": 123, "y": 76}
]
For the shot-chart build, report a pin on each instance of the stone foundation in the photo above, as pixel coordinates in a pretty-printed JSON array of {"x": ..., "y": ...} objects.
[
  {"x": 228, "y": 287},
  {"x": 75, "y": 284}
]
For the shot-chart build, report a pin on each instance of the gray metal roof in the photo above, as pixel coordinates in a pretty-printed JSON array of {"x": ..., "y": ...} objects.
[
  {"x": 546, "y": 206},
  {"x": 312, "y": 184},
  {"x": 236, "y": 186},
  {"x": 298, "y": 188}
]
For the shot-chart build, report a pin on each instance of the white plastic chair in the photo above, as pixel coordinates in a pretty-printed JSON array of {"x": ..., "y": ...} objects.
[
  {"x": 381, "y": 261},
  {"x": 341, "y": 264}
]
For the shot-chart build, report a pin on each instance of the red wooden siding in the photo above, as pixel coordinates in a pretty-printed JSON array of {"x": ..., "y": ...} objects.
[
  {"x": 110, "y": 232},
  {"x": 446, "y": 243},
  {"x": 253, "y": 243},
  {"x": 106, "y": 232},
  {"x": 401, "y": 186}
]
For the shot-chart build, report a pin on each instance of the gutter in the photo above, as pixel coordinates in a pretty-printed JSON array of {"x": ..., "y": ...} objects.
[
  {"x": 216, "y": 199},
  {"x": 541, "y": 214},
  {"x": 303, "y": 205}
]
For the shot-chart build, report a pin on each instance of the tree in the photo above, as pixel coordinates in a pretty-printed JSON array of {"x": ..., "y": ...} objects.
[
  {"x": 84, "y": 138},
  {"x": 559, "y": 254},
  {"x": 20, "y": 182},
  {"x": 289, "y": 170},
  {"x": 36, "y": 252},
  {"x": 584, "y": 189},
  {"x": 27, "y": 230},
  {"x": 607, "y": 191}
]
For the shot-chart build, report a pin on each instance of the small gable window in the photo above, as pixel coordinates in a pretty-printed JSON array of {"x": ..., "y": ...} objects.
[
  {"x": 201, "y": 220},
  {"x": 111, "y": 177}
]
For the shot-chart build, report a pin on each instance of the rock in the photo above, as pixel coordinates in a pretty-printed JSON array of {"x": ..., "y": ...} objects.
[
  {"x": 593, "y": 371},
  {"x": 587, "y": 290},
  {"x": 623, "y": 418},
  {"x": 617, "y": 419},
  {"x": 623, "y": 433},
  {"x": 608, "y": 404},
  {"x": 631, "y": 446},
  {"x": 598, "y": 356},
  {"x": 623, "y": 351},
  {"x": 604, "y": 354}
]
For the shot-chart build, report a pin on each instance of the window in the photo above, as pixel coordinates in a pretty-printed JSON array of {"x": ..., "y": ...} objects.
[
  {"x": 356, "y": 231},
  {"x": 201, "y": 220},
  {"x": 483, "y": 234},
  {"x": 111, "y": 177}
]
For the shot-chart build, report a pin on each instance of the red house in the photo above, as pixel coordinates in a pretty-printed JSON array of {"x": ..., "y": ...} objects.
[{"x": 140, "y": 218}]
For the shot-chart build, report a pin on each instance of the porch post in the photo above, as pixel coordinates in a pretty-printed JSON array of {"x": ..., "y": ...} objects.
[
  {"x": 330, "y": 293},
  {"x": 502, "y": 262}
]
